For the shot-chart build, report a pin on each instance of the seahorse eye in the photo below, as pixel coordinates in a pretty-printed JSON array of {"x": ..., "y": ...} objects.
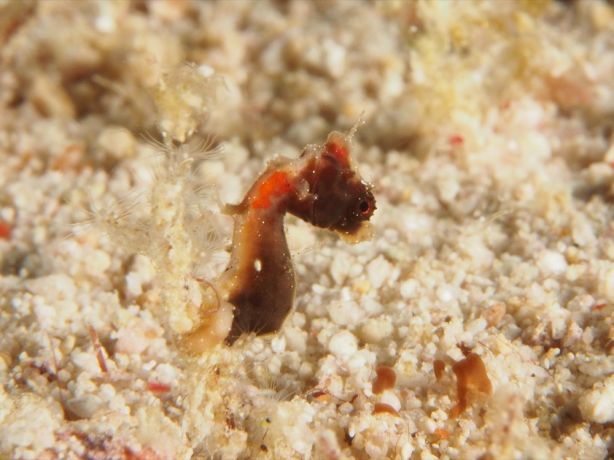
[{"x": 364, "y": 207}]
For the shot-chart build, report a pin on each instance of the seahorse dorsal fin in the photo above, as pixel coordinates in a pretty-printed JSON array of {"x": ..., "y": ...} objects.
[{"x": 338, "y": 146}]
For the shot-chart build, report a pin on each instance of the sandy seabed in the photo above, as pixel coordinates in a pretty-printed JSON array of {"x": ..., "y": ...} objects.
[{"x": 488, "y": 137}]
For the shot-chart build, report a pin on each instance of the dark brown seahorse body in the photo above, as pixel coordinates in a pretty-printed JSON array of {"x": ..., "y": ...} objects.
[
  {"x": 321, "y": 188},
  {"x": 260, "y": 282}
]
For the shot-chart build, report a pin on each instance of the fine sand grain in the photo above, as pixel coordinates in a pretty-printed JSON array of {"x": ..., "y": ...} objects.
[{"x": 478, "y": 323}]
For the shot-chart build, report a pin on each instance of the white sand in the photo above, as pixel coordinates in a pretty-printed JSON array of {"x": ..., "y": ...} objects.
[{"x": 488, "y": 137}]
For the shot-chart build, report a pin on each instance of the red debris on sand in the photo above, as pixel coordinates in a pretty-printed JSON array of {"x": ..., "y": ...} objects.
[
  {"x": 102, "y": 363},
  {"x": 158, "y": 387},
  {"x": 442, "y": 433},
  {"x": 470, "y": 376},
  {"x": 381, "y": 408},
  {"x": 320, "y": 394},
  {"x": 386, "y": 378},
  {"x": 456, "y": 140},
  {"x": 5, "y": 231}
]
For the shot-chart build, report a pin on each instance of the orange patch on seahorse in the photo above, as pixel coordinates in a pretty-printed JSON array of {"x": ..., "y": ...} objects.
[{"x": 274, "y": 185}]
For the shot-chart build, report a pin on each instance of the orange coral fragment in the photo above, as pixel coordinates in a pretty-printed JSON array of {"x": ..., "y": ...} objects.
[
  {"x": 442, "y": 433},
  {"x": 277, "y": 184},
  {"x": 381, "y": 408},
  {"x": 386, "y": 378},
  {"x": 470, "y": 376},
  {"x": 320, "y": 395},
  {"x": 439, "y": 366}
]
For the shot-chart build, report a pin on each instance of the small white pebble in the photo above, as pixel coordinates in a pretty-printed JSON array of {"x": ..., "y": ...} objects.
[
  {"x": 166, "y": 373},
  {"x": 133, "y": 285},
  {"x": 334, "y": 57},
  {"x": 430, "y": 425},
  {"x": 552, "y": 263},
  {"x": 318, "y": 288},
  {"x": 278, "y": 344},
  {"x": 345, "y": 313},
  {"x": 106, "y": 391},
  {"x": 53, "y": 287},
  {"x": 476, "y": 326},
  {"x": 445, "y": 293},
  {"x": 86, "y": 362},
  {"x": 407, "y": 449},
  {"x": 105, "y": 23},
  {"x": 339, "y": 267},
  {"x": 388, "y": 397},
  {"x": 64, "y": 375},
  {"x": 355, "y": 270},
  {"x": 205, "y": 70},
  {"x": 378, "y": 271},
  {"x": 597, "y": 405},
  {"x": 588, "y": 335},
  {"x": 357, "y": 362},
  {"x": 426, "y": 455},
  {"x": 298, "y": 319},
  {"x": 117, "y": 142},
  {"x": 582, "y": 233},
  {"x": 98, "y": 263},
  {"x": 306, "y": 370},
  {"x": 408, "y": 289},
  {"x": 343, "y": 344},
  {"x": 606, "y": 284},
  {"x": 273, "y": 365},
  {"x": 296, "y": 339},
  {"x": 346, "y": 408},
  {"x": 84, "y": 406},
  {"x": 376, "y": 329}
]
